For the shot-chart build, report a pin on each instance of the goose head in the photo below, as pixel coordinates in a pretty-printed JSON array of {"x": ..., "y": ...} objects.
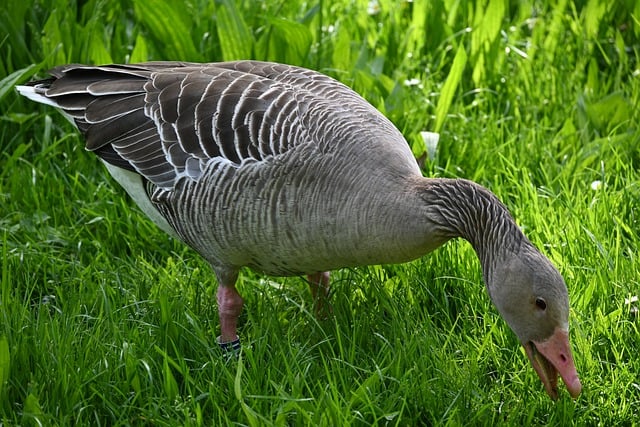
[{"x": 531, "y": 296}]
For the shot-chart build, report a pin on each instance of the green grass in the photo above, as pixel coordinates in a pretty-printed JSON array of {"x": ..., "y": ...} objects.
[{"x": 105, "y": 321}]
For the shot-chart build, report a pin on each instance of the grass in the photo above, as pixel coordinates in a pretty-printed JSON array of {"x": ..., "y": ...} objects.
[{"x": 105, "y": 321}]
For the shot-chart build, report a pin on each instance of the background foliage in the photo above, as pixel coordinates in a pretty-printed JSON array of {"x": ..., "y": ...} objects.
[{"x": 536, "y": 100}]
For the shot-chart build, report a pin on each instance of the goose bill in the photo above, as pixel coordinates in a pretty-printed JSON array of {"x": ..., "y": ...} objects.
[{"x": 552, "y": 357}]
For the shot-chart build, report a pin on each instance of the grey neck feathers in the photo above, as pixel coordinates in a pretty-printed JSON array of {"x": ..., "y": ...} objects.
[{"x": 461, "y": 208}]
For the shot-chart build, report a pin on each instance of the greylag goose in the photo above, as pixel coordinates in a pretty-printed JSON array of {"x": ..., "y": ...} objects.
[{"x": 289, "y": 172}]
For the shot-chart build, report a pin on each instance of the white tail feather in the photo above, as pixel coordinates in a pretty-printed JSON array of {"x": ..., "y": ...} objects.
[{"x": 31, "y": 93}]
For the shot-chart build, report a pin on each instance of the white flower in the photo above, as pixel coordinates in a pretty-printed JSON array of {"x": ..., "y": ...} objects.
[
  {"x": 431, "y": 143},
  {"x": 412, "y": 82},
  {"x": 373, "y": 8}
]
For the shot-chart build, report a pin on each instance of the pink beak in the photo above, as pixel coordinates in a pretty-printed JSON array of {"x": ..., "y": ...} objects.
[{"x": 552, "y": 357}]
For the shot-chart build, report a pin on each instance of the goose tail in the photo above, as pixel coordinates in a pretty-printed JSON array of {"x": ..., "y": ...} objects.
[{"x": 35, "y": 92}]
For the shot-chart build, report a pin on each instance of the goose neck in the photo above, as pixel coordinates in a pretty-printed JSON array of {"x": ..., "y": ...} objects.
[{"x": 461, "y": 208}]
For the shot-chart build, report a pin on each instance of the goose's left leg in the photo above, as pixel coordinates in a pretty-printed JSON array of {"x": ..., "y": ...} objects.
[{"x": 319, "y": 283}]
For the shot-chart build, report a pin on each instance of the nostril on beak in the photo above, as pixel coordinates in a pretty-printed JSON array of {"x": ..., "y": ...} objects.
[{"x": 563, "y": 358}]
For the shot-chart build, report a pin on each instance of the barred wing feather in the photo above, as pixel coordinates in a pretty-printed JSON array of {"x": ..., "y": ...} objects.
[{"x": 167, "y": 120}]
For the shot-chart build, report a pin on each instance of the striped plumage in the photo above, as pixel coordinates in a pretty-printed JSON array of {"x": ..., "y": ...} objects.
[{"x": 289, "y": 172}]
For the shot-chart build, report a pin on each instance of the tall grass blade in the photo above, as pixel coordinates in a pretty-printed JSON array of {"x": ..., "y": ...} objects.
[
  {"x": 252, "y": 417},
  {"x": 550, "y": 36},
  {"x": 5, "y": 361},
  {"x": 419, "y": 26},
  {"x": 236, "y": 40},
  {"x": 169, "y": 24},
  {"x": 169, "y": 380},
  {"x": 484, "y": 35},
  {"x": 140, "y": 51},
  {"x": 56, "y": 38},
  {"x": 449, "y": 88},
  {"x": 8, "y": 83},
  {"x": 593, "y": 14},
  {"x": 97, "y": 49},
  {"x": 32, "y": 412},
  {"x": 295, "y": 36}
]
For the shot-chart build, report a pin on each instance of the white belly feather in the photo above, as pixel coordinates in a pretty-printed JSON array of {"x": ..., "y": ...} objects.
[{"x": 134, "y": 186}]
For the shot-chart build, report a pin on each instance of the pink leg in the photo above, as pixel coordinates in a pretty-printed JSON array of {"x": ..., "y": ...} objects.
[
  {"x": 319, "y": 284},
  {"x": 229, "y": 309}
]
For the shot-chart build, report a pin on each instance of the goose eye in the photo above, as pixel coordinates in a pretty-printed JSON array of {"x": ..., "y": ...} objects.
[{"x": 541, "y": 303}]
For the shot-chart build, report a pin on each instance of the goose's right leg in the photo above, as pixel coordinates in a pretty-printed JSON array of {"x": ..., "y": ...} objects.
[{"x": 229, "y": 308}]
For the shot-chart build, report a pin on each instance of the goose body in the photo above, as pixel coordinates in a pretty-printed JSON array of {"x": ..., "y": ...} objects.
[{"x": 289, "y": 172}]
